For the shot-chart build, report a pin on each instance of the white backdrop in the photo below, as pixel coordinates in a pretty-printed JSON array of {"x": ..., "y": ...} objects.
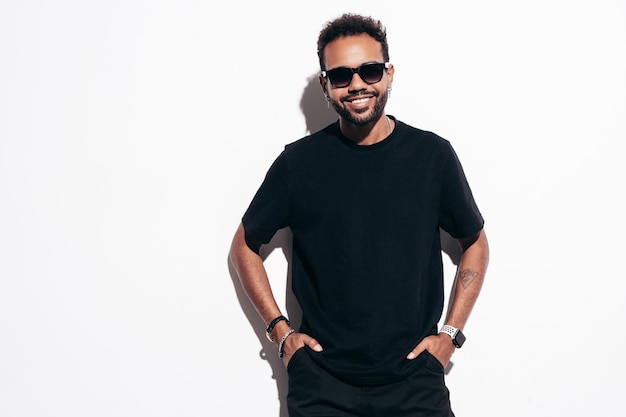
[{"x": 133, "y": 134}]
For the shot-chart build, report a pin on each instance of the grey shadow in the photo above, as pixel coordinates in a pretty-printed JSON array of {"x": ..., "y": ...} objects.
[
  {"x": 313, "y": 105},
  {"x": 281, "y": 241},
  {"x": 317, "y": 116}
]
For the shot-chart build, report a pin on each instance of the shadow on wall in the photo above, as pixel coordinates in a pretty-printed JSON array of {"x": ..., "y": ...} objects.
[
  {"x": 281, "y": 240},
  {"x": 314, "y": 107},
  {"x": 317, "y": 116}
]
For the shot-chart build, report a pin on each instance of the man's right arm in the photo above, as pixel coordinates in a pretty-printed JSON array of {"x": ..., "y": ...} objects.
[{"x": 253, "y": 277}]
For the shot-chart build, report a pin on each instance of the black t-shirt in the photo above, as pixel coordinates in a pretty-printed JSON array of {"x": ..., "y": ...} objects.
[{"x": 367, "y": 267}]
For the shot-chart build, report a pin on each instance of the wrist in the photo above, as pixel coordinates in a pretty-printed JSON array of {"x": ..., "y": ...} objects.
[
  {"x": 281, "y": 344},
  {"x": 270, "y": 331},
  {"x": 456, "y": 335},
  {"x": 279, "y": 330}
]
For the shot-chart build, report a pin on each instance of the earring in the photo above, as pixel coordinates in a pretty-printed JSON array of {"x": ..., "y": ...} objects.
[
  {"x": 328, "y": 102},
  {"x": 389, "y": 92}
]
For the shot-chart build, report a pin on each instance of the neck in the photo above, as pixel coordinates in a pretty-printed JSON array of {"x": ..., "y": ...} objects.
[{"x": 367, "y": 134}]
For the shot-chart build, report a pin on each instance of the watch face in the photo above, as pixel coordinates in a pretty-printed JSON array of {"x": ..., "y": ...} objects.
[{"x": 459, "y": 339}]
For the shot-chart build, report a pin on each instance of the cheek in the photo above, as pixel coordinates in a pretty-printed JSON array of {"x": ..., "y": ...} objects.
[
  {"x": 333, "y": 93},
  {"x": 336, "y": 95}
]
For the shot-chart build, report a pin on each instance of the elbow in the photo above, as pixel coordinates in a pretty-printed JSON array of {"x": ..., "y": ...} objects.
[
  {"x": 242, "y": 246},
  {"x": 476, "y": 244}
]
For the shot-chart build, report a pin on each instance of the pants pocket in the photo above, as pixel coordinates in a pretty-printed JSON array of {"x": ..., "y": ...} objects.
[
  {"x": 432, "y": 363},
  {"x": 296, "y": 357}
]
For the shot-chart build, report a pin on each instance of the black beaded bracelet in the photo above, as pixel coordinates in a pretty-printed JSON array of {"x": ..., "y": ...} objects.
[{"x": 272, "y": 324}]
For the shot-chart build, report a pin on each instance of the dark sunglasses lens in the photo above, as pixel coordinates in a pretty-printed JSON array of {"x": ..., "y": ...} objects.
[
  {"x": 340, "y": 77},
  {"x": 371, "y": 73}
]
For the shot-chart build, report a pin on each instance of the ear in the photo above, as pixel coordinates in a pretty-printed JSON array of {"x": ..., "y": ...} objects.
[
  {"x": 390, "y": 71},
  {"x": 323, "y": 84}
]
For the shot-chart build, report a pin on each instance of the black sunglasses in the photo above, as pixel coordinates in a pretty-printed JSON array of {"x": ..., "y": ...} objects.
[{"x": 342, "y": 76}]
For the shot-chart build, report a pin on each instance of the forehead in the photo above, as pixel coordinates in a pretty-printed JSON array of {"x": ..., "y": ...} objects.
[{"x": 352, "y": 51}]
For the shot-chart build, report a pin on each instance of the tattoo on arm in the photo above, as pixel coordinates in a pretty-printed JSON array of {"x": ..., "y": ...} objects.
[{"x": 467, "y": 276}]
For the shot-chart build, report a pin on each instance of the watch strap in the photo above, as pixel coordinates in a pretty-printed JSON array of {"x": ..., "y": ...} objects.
[
  {"x": 457, "y": 336},
  {"x": 450, "y": 330}
]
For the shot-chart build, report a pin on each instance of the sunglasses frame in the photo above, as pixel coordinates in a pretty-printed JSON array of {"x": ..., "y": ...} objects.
[{"x": 356, "y": 71}]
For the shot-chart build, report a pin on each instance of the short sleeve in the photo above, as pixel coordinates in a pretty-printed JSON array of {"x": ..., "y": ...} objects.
[
  {"x": 268, "y": 210},
  {"x": 459, "y": 214}
]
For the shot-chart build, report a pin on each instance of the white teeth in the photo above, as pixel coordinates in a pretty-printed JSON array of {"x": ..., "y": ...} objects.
[{"x": 361, "y": 100}]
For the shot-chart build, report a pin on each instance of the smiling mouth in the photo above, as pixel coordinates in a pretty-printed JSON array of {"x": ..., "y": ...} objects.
[{"x": 359, "y": 98}]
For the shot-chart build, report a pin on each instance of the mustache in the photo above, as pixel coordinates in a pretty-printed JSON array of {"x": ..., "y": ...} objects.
[{"x": 359, "y": 94}]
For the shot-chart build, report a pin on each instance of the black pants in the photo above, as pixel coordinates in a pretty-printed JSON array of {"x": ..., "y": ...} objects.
[{"x": 313, "y": 392}]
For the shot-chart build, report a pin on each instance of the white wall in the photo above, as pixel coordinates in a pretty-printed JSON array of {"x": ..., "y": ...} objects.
[{"x": 133, "y": 135}]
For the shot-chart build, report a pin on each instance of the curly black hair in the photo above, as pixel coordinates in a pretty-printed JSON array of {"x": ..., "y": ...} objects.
[{"x": 350, "y": 24}]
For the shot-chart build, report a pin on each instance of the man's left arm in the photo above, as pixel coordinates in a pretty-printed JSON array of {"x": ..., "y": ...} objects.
[{"x": 467, "y": 284}]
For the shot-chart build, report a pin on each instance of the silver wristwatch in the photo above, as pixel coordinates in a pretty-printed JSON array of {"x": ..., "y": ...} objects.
[{"x": 457, "y": 336}]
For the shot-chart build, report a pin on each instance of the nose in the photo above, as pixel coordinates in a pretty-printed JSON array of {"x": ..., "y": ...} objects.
[{"x": 357, "y": 83}]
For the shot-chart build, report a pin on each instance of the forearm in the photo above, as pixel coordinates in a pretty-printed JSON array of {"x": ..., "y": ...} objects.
[
  {"x": 468, "y": 282},
  {"x": 253, "y": 277}
]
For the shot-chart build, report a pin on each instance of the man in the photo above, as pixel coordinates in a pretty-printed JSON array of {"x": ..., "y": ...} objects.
[{"x": 365, "y": 199}]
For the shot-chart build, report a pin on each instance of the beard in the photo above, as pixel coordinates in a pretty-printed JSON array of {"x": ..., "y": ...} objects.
[{"x": 366, "y": 117}]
